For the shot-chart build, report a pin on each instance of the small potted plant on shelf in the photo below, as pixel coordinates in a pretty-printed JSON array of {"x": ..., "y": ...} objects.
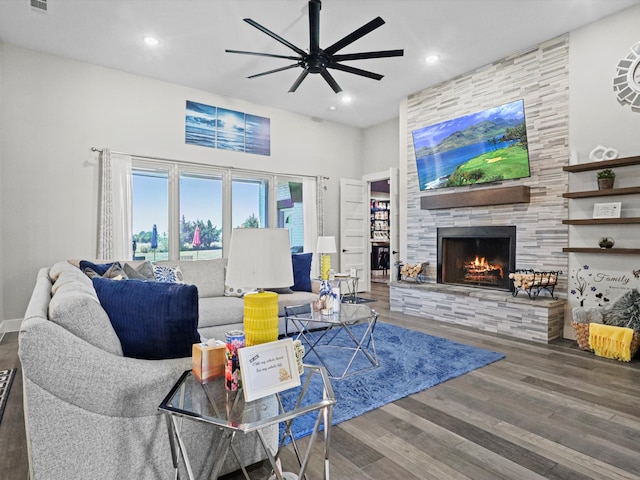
[{"x": 605, "y": 179}]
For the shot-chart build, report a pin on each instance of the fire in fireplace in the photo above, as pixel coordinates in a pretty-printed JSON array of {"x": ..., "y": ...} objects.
[{"x": 477, "y": 256}]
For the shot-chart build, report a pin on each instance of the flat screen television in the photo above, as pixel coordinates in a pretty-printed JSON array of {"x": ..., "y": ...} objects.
[{"x": 482, "y": 147}]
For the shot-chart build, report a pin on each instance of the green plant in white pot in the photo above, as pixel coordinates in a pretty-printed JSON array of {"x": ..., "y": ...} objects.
[{"x": 606, "y": 178}]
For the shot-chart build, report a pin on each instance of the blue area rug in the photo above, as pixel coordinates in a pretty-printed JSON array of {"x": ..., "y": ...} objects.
[{"x": 410, "y": 362}]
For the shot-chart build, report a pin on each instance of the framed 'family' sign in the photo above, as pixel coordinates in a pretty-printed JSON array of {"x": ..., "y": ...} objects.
[{"x": 268, "y": 368}]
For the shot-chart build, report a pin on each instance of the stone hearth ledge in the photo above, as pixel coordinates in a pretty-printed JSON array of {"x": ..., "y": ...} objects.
[{"x": 494, "y": 311}]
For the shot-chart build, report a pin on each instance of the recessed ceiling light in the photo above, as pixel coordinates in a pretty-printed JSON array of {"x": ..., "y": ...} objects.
[
  {"x": 346, "y": 99},
  {"x": 151, "y": 41},
  {"x": 332, "y": 108},
  {"x": 432, "y": 59}
]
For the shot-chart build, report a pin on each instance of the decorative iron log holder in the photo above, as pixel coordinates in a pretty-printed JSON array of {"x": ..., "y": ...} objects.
[{"x": 533, "y": 282}]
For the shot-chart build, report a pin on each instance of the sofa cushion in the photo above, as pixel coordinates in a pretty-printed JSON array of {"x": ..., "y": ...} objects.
[
  {"x": 153, "y": 320},
  {"x": 67, "y": 273},
  {"x": 223, "y": 310},
  {"x": 142, "y": 271},
  {"x": 207, "y": 275},
  {"x": 296, "y": 298},
  {"x": 77, "y": 309},
  {"x": 301, "y": 272},
  {"x": 280, "y": 291}
]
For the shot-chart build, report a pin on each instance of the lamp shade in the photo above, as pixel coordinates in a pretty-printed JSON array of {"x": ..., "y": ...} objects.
[
  {"x": 326, "y": 245},
  {"x": 259, "y": 258}
]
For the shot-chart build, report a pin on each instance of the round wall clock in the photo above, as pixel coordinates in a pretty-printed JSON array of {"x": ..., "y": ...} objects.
[{"x": 626, "y": 83}]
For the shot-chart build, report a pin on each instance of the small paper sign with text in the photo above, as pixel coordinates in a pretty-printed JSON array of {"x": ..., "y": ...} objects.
[{"x": 268, "y": 368}]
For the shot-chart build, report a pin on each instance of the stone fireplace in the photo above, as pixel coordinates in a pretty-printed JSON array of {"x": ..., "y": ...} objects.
[{"x": 480, "y": 256}]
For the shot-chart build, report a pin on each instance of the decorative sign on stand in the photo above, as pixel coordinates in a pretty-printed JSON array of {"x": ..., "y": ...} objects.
[
  {"x": 607, "y": 210},
  {"x": 268, "y": 368}
]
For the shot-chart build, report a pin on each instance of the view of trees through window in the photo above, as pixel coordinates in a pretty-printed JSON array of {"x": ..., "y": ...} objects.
[{"x": 200, "y": 203}]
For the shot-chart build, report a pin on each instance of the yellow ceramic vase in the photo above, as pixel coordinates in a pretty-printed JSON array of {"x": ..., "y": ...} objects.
[{"x": 260, "y": 317}]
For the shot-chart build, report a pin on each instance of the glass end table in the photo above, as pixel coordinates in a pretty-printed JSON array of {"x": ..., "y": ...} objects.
[
  {"x": 212, "y": 404},
  {"x": 319, "y": 332}
]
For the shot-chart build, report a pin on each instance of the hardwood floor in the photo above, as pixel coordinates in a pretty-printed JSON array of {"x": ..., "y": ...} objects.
[
  {"x": 544, "y": 411},
  {"x": 13, "y": 446}
]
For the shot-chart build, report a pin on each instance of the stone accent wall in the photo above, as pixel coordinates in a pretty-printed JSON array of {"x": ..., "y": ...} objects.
[
  {"x": 490, "y": 311},
  {"x": 541, "y": 78}
]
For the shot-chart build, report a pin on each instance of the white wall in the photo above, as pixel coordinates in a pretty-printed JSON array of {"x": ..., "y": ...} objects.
[
  {"x": 596, "y": 117},
  {"x": 54, "y": 110},
  {"x": 381, "y": 147}
]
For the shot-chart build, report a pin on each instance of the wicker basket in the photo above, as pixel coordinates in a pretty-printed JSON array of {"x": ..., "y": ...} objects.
[{"x": 582, "y": 337}]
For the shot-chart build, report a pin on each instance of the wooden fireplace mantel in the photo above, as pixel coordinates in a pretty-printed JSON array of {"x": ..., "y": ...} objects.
[{"x": 475, "y": 198}]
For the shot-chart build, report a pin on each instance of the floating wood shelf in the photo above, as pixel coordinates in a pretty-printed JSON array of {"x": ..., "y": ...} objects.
[
  {"x": 587, "y": 167},
  {"x": 476, "y": 198},
  {"x": 608, "y": 251},
  {"x": 602, "y": 221},
  {"x": 603, "y": 193}
]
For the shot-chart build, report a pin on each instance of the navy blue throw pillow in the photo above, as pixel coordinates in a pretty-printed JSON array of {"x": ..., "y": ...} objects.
[
  {"x": 153, "y": 320},
  {"x": 99, "y": 268},
  {"x": 301, "y": 272}
]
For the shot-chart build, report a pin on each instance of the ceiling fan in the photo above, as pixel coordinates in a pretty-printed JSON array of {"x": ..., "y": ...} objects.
[{"x": 318, "y": 60}]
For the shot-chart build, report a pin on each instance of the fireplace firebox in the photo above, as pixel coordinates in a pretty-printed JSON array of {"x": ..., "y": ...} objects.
[{"x": 477, "y": 256}]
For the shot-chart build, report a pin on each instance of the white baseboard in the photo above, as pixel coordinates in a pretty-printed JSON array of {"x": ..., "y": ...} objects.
[{"x": 12, "y": 325}]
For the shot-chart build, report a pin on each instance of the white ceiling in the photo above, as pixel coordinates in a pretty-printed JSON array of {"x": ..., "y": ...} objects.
[{"x": 193, "y": 35}]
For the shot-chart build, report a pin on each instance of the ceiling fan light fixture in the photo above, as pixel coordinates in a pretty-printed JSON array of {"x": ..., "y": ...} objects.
[{"x": 317, "y": 60}]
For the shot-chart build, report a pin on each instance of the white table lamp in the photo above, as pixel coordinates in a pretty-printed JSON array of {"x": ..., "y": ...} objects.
[
  {"x": 260, "y": 258},
  {"x": 326, "y": 245}
]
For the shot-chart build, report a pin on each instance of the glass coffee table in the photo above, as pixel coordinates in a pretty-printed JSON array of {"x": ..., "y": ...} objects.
[
  {"x": 325, "y": 335},
  {"x": 212, "y": 404}
]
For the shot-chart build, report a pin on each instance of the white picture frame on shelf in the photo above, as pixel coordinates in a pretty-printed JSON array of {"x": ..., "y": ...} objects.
[
  {"x": 268, "y": 368},
  {"x": 607, "y": 210}
]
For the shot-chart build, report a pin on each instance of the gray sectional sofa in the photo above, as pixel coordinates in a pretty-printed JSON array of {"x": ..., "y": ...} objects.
[
  {"x": 91, "y": 412},
  {"x": 220, "y": 312}
]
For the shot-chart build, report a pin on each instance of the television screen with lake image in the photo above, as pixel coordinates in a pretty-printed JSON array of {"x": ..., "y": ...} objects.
[{"x": 487, "y": 146}]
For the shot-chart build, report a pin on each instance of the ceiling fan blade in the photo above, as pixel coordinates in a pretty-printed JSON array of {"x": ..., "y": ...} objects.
[
  {"x": 314, "y": 25},
  {"x": 357, "y": 71},
  {"x": 331, "y": 81},
  {"x": 275, "y": 70},
  {"x": 355, "y": 35},
  {"x": 263, "y": 54},
  {"x": 275, "y": 36},
  {"x": 365, "y": 55},
  {"x": 299, "y": 80}
]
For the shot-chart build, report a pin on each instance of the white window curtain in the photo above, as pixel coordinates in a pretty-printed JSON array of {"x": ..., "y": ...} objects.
[
  {"x": 310, "y": 220},
  {"x": 114, "y": 207}
]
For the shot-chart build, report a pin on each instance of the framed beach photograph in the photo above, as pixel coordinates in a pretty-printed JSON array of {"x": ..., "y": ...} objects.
[
  {"x": 200, "y": 124},
  {"x": 257, "y": 135},
  {"x": 230, "y": 133},
  {"x": 607, "y": 210},
  {"x": 268, "y": 368}
]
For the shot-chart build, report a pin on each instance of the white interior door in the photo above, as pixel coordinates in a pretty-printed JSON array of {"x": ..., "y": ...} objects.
[{"x": 354, "y": 230}]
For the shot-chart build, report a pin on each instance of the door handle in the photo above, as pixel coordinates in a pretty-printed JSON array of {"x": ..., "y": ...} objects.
[
  {"x": 394, "y": 252},
  {"x": 344, "y": 250}
]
